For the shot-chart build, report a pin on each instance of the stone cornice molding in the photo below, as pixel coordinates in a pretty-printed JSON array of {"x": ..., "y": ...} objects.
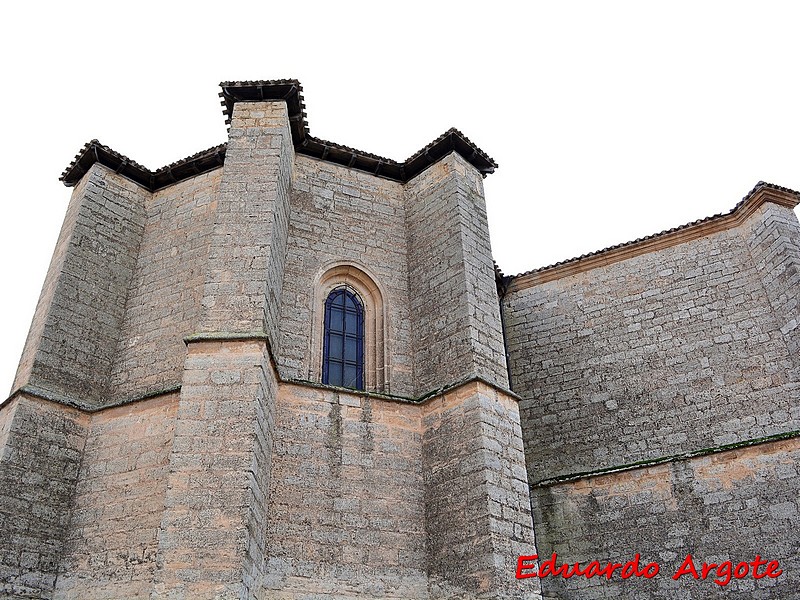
[
  {"x": 761, "y": 194},
  {"x": 573, "y": 477}
]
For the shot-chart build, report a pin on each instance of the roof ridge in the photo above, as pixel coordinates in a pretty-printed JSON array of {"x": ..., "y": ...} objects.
[{"x": 454, "y": 132}]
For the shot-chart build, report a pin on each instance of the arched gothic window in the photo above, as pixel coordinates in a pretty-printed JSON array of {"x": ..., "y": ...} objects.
[
  {"x": 343, "y": 343},
  {"x": 361, "y": 285}
]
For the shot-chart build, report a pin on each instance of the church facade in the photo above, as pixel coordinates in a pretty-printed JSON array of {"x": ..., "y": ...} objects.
[{"x": 284, "y": 368}]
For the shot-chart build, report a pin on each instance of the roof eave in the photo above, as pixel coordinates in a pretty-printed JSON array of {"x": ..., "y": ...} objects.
[{"x": 762, "y": 193}]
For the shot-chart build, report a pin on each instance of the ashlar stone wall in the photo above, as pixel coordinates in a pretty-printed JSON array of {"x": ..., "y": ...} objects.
[
  {"x": 346, "y": 513},
  {"x": 163, "y": 304},
  {"x": 111, "y": 539},
  {"x": 729, "y": 506},
  {"x": 661, "y": 407},
  {"x": 453, "y": 299},
  {"x": 344, "y": 216},
  {"x": 76, "y": 328},
  {"x": 665, "y": 353},
  {"x": 168, "y": 435},
  {"x": 380, "y": 498},
  {"x": 41, "y": 447}
]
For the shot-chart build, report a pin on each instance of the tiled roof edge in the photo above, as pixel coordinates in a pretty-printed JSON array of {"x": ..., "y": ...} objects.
[
  {"x": 451, "y": 140},
  {"x": 196, "y": 164},
  {"x": 94, "y": 151},
  {"x": 762, "y": 192},
  {"x": 291, "y": 91}
]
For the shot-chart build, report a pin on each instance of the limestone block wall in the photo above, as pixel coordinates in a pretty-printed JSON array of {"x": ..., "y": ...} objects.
[
  {"x": 682, "y": 360},
  {"x": 386, "y": 499},
  {"x": 457, "y": 332},
  {"x": 774, "y": 241},
  {"x": 341, "y": 215},
  {"x": 163, "y": 305},
  {"x": 477, "y": 508},
  {"x": 77, "y": 324},
  {"x": 346, "y": 515},
  {"x": 600, "y": 357},
  {"x": 210, "y": 543},
  {"x": 208, "y": 286},
  {"x": 111, "y": 541},
  {"x": 729, "y": 506},
  {"x": 260, "y": 478},
  {"x": 41, "y": 445},
  {"x": 244, "y": 271}
]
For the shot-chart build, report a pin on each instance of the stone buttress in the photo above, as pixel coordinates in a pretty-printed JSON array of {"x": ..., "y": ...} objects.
[{"x": 169, "y": 434}]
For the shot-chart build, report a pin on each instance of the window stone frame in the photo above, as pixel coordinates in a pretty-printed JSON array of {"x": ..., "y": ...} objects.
[{"x": 358, "y": 281}]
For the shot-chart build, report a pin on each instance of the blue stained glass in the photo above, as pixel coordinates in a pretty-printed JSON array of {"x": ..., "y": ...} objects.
[
  {"x": 337, "y": 319},
  {"x": 335, "y": 346},
  {"x": 343, "y": 347},
  {"x": 335, "y": 372},
  {"x": 350, "y": 376},
  {"x": 351, "y": 348}
]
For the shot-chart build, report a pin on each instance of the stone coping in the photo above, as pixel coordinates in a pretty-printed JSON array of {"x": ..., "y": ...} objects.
[
  {"x": 41, "y": 393},
  {"x": 664, "y": 459},
  {"x": 65, "y": 400},
  {"x": 762, "y": 193}
]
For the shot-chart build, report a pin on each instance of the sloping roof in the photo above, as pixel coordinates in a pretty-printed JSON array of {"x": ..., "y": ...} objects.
[
  {"x": 761, "y": 193},
  {"x": 190, "y": 166},
  {"x": 290, "y": 91}
]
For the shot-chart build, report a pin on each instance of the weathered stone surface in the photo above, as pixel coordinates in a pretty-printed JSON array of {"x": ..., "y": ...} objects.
[
  {"x": 41, "y": 447},
  {"x": 169, "y": 435},
  {"x": 774, "y": 243},
  {"x": 73, "y": 339},
  {"x": 111, "y": 542},
  {"x": 730, "y": 506},
  {"x": 163, "y": 304},
  {"x": 451, "y": 276},
  {"x": 210, "y": 543},
  {"x": 244, "y": 271},
  {"x": 682, "y": 351},
  {"x": 477, "y": 509},
  {"x": 342, "y": 216},
  {"x": 665, "y": 353},
  {"x": 346, "y": 510}
]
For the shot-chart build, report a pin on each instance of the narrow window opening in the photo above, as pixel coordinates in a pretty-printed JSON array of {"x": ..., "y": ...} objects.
[{"x": 343, "y": 347}]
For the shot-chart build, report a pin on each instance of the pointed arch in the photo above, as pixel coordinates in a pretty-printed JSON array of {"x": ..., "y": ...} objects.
[
  {"x": 354, "y": 280},
  {"x": 343, "y": 340}
]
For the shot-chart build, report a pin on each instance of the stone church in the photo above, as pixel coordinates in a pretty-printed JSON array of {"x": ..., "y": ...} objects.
[{"x": 283, "y": 368}]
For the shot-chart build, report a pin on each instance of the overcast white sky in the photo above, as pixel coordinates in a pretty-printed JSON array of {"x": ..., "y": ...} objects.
[{"x": 610, "y": 120}]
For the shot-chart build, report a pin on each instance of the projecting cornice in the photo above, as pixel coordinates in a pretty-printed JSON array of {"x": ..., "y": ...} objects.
[
  {"x": 95, "y": 152},
  {"x": 762, "y": 193},
  {"x": 290, "y": 91}
]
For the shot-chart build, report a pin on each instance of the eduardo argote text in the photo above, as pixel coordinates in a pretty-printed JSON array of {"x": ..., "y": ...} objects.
[{"x": 721, "y": 573}]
